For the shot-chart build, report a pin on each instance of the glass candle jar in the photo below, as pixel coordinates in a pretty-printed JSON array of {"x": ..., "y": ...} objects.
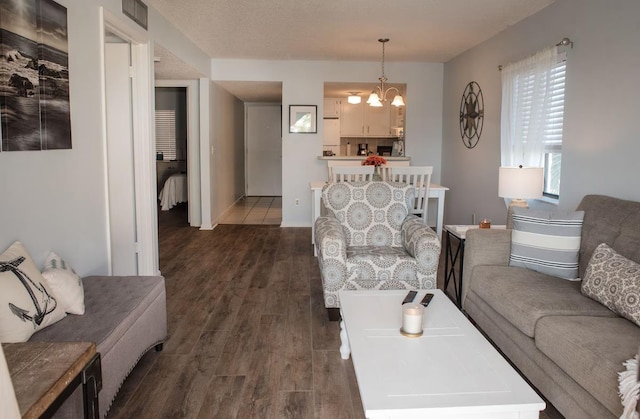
[{"x": 412, "y": 314}]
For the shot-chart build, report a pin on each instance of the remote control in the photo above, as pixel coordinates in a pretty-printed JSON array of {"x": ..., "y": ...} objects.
[
  {"x": 409, "y": 298},
  {"x": 426, "y": 300}
]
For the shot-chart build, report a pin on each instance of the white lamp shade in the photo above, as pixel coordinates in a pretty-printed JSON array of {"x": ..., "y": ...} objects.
[
  {"x": 354, "y": 99},
  {"x": 373, "y": 98},
  {"x": 398, "y": 101},
  {"x": 520, "y": 182}
]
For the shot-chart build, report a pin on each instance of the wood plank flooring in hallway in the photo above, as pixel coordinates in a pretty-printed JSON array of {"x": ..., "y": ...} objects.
[{"x": 248, "y": 333}]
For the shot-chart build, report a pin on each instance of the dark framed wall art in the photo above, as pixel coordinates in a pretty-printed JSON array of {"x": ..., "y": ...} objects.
[
  {"x": 303, "y": 119},
  {"x": 34, "y": 76}
]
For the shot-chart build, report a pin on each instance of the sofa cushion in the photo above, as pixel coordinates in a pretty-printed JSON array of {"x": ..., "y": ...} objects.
[
  {"x": 112, "y": 305},
  {"x": 614, "y": 281},
  {"x": 27, "y": 303},
  {"x": 612, "y": 221},
  {"x": 523, "y": 296},
  {"x": 383, "y": 267},
  {"x": 591, "y": 350},
  {"x": 559, "y": 388},
  {"x": 546, "y": 242},
  {"x": 371, "y": 213}
]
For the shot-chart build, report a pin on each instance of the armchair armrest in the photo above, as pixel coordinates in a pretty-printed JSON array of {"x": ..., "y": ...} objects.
[
  {"x": 331, "y": 245},
  {"x": 422, "y": 243},
  {"x": 330, "y": 239},
  {"x": 484, "y": 247}
]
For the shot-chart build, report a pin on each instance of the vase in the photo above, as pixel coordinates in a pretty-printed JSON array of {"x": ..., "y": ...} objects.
[{"x": 376, "y": 174}]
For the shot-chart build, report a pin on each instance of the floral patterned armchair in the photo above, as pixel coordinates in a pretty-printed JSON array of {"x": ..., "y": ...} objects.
[{"x": 368, "y": 240}]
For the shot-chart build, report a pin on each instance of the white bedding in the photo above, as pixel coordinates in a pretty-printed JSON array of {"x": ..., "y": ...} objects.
[{"x": 174, "y": 191}]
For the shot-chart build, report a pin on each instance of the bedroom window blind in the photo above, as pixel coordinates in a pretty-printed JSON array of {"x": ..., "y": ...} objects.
[{"x": 166, "y": 133}]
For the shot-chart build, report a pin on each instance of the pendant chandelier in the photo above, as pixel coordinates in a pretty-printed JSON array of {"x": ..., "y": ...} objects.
[{"x": 379, "y": 93}]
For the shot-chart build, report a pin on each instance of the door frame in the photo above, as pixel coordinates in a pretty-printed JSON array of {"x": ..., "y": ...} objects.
[
  {"x": 193, "y": 145},
  {"x": 144, "y": 177}
]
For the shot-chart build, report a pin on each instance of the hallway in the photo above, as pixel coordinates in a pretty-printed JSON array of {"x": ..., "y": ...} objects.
[{"x": 255, "y": 210}]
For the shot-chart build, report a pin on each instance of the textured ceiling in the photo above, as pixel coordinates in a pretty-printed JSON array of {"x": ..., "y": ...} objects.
[
  {"x": 340, "y": 30},
  {"x": 420, "y": 30},
  {"x": 169, "y": 67}
]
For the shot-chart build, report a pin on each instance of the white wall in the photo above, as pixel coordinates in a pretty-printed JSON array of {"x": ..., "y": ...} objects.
[
  {"x": 56, "y": 200},
  {"x": 227, "y": 162},
  {"x": 600, "y": 145},
  {"x": 303, "y": 84}
]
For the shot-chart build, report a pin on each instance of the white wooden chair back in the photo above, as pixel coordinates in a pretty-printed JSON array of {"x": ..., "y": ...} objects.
[
  {"x": 385, "y": 170},
  {"x": 420, "y": 178},
  {"x": 333, "y": 163},
  {"x": 352, "y": 173}
]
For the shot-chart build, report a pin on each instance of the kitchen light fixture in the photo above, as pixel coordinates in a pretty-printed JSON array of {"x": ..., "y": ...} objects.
[
  {"x": 354, "y": 98},
  {"x": 379, "y": 94}
]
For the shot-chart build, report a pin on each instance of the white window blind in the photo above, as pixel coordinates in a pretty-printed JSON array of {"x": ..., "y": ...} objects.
[
  {"x": 533, "y": 115},
  {"x": 166, "y": 133}
]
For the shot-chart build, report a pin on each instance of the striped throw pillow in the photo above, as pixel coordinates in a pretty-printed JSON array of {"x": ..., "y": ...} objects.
[{"x": 546, "y": 242}]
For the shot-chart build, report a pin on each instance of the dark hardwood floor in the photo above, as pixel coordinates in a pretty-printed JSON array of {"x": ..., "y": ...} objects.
[{"x": 248, "y": 333}]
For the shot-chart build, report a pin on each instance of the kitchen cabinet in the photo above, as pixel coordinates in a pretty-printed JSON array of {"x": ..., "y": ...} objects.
[
  {"x": 351, "y": 120},
  {"x": 362, "y": 120},
  {"x": 377, "y": 121},
  {"x": 332, "y": 107},
  {"x": 331, "y": 132}
]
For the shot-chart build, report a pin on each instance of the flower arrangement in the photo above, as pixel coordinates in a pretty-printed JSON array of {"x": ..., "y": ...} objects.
[{"x": 374, "y": 161}]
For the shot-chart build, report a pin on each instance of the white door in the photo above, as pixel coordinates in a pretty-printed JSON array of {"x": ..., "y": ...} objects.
[
  {"x": 120, "y": 169},
  {"x": 264, "y": 150}
]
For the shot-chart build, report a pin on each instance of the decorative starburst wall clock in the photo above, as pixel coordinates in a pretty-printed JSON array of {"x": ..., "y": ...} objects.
[{"x": 471, "y": 114}]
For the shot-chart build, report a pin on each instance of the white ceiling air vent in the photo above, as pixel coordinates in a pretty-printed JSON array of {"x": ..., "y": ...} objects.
[{"x": 136, "y": 10}]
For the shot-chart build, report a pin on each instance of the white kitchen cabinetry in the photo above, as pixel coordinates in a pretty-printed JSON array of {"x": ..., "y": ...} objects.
[
  {"x": 332, "y": 107},
  {"x": 363, "y": 120},
  {"x": 377, "y": 121},
  {"x": 351, "y": 120}
]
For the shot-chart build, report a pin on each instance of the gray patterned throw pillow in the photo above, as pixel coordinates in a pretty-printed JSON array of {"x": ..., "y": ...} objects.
[{"x": 614, "y": 281}]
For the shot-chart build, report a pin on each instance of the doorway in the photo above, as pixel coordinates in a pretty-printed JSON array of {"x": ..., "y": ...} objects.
[
  {"x": 263, "y": 133},
  {"x": 171, "y": 154}
]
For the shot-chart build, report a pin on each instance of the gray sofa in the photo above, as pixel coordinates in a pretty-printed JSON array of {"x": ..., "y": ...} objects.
[
  {"x": 568, "y": 346},
  {"x": 125, "y": 316}
]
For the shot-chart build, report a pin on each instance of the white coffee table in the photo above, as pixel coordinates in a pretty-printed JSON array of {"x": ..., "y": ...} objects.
[{"x": 451, "y": 371}]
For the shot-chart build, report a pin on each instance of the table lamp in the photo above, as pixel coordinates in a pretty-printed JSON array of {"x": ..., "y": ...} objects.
[{"x": 519, "y": 184}]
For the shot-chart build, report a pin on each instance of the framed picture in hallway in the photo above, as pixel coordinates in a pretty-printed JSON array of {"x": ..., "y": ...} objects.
[
  {"x": 303, "y": 119},
  {"x": 34, "y": 76}
]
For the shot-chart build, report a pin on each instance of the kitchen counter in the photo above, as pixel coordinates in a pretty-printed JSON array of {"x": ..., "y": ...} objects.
[{"x": 389, "y": 158}]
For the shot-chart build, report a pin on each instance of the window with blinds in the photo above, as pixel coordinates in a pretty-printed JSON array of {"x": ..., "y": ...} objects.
[
  {"x": 166, "y": 134},
  {"x": 552, "y": 120}
]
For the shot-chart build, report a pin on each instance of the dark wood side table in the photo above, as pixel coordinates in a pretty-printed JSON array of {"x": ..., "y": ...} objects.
[
  {"x": 453, "y": 257},
  {"x": 45, "y": 374}
]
